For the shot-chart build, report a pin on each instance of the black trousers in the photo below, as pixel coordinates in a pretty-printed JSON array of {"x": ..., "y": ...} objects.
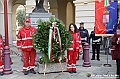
[
  {"x": 118, "y": 66},
  {"x": 96, "y": 47}
]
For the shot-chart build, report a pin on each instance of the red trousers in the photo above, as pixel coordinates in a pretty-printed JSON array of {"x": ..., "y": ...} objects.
[
  {"x": 29, "y": 59},
  {"x": 72, "y": 57},
  {"x": 1, "y": 63}
]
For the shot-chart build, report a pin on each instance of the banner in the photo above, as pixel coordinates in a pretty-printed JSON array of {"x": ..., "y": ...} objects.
[
  {"x": 106, "y": 15},
  {"x": 100, "y": 27},
  {"x": 112, "y": 25}
]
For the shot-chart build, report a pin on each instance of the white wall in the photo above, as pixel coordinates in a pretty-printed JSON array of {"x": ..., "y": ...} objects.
[{"x": 86, "y": 13}]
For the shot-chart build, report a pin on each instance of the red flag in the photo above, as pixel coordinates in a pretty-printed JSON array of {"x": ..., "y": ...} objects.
[{"x": 100, "y": 27}]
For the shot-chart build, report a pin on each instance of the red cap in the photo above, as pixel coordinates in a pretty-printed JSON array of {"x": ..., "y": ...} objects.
[{"x": 27, "y": 20}]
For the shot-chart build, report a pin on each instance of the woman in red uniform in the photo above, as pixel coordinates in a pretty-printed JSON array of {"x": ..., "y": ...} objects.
[
  {"x": 1, "y": 49},
  {"x": 76, "y": 46}
]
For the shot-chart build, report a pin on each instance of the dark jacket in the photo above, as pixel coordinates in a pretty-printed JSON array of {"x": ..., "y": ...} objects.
[
  {"x": 95, "y": 39},
  {"x": 116, "y": 45},
  {"x": 84, "y": 35}
]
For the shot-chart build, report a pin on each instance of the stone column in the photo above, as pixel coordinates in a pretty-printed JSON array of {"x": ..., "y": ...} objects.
[
  {"x": 9, "y": 26},
  {"x": 10, "y": 38},
  {"x": 14, "y": 24},
  {"x": 1, "y": 19},
  {"x": 46, "y": 5},
  {"x": 1, "y": 24}
]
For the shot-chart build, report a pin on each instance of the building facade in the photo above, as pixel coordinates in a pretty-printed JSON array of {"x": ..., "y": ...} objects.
[
  {"x": 85, "y": 10},
  {"x": 69, "y": 11},
  {"x": 59, "y": 8}
]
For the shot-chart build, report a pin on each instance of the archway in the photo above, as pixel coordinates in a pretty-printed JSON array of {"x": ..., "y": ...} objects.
[
  {"x": 15, "y": 26},
  {"x": 15, "y": 4},
  {"x": 69, "y": 14}
]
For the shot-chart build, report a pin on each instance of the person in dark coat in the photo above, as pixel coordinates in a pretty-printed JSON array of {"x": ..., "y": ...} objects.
[
  {"x": 84, "y": 35},
  {"x": 116, "y": 44},
  {"x": 96, "y": 42}
]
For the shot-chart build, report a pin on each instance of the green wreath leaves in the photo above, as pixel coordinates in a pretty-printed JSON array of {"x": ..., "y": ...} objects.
[{"x": 41, "y": 37}]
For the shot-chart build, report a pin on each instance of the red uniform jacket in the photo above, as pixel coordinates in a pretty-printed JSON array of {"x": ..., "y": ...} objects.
[
  {"x": 1, "y": 44},
  {"x": 76, "y": 42},
  {"x": 116, "y": 46},
  {"x": 24, "y": 39}
]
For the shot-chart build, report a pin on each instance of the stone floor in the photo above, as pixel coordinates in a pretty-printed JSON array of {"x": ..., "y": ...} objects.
[{"x": 97, "y": 70}]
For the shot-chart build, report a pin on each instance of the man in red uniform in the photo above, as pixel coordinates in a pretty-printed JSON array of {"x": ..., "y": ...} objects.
[
  {"x": 1, "y": 49},
  {"x": 24, "y": 43},
  {"x": 76, "y": 46}
]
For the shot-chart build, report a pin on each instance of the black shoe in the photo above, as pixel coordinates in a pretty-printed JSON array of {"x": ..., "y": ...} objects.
[
  {"x": 1, "y": 73},
  {"x": 98, "y": 59},
  {"x": 70, "y": 72},
  {"x": 26, "y": 72},
  {"x": 74, "y": 71},
  {"x": 32, "y": 71},
  {"x": 93, "y": 59}
]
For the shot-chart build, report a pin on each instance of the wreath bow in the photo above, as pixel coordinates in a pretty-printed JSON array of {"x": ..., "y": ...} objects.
[{"x": 53, "y": 34}]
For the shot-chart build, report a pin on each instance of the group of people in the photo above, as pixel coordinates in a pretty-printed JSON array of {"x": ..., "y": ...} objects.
[
  {"x": 80, "y": 37},
  {"x": 24, "y": 44}
]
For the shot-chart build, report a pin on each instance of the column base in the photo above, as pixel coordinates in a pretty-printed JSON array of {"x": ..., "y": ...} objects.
[
  {"x": 86, "y": 64},
  {"x": 8, "y": 71}
]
